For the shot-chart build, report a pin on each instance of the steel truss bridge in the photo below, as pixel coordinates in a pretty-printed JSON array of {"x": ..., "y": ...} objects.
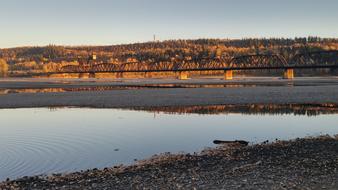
[{"x": 308, "y": 60}]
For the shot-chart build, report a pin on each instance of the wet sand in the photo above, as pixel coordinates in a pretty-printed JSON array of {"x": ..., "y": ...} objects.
[
  {"x": 260, "y": 91},
  {"x": 310, "y": 163}
]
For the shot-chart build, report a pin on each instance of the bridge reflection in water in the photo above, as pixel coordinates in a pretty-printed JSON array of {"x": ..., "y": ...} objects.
[{"x": 306, "y": 60}]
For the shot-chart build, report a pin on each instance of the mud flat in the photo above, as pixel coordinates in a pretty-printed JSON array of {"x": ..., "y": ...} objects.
[{"x": 310, "y": 163}]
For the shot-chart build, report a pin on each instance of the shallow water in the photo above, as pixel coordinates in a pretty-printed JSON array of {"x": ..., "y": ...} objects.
[{"x": 44, "y": 141}]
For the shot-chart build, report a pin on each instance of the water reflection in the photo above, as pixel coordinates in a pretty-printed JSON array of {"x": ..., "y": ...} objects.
[
  {"x": 33, "y": 90},
  {"x": 250, "y": 109},
  {"x": 42, "y": 141},
  {"x": 125, "y": 87}
]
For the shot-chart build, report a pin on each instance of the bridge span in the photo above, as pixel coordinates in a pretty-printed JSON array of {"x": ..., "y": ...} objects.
[{"x": 307, "y": 60}]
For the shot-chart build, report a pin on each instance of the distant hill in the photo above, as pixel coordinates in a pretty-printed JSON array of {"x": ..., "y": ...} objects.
[{"x": 168, "y": 50}]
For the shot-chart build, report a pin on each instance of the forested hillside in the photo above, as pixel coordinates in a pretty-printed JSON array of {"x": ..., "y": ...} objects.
[{"x": 51, "y": 57}]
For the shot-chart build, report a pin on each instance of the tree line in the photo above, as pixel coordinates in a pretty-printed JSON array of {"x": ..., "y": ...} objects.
[{"x": 52, "y": 57}]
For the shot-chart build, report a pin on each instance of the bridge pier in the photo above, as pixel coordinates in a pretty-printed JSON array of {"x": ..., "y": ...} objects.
[
  {"x": 91, "y": 75},
  {"x": 148, "y": 75},
  {"x": 228, "y": 74},
  {"x": 83, "y": 75},
  {"x": 183, "y": 75},
  {"x": 289, "y": 74},
  {"x": 119, "y": 75}
]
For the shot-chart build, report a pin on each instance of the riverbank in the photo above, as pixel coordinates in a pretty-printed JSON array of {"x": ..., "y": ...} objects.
[
  {"x": 260, "y": 91},
  {"x": 309, "y": 163}
]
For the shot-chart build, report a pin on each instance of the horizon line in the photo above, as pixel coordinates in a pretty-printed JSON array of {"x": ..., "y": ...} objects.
[{"x": 160, "y": 41}]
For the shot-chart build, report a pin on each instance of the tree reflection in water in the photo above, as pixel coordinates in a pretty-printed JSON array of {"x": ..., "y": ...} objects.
[{"x": 250, "y": 109}]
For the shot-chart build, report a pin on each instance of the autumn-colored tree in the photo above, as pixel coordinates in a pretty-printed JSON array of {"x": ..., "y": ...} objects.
[
  {"x": 25, "y": 66},
  {"x": 3, "y": 68}
]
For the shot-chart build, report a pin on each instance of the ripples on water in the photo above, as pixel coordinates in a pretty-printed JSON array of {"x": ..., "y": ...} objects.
[{"x": 43, "y": 141}]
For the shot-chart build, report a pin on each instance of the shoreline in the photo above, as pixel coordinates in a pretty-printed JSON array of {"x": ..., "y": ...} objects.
[
  {"x": 298, "y": 163},
  {"x": 211, "y": 80}
]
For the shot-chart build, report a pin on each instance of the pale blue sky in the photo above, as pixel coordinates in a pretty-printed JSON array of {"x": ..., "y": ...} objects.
[{"x": 104, "y": 22}]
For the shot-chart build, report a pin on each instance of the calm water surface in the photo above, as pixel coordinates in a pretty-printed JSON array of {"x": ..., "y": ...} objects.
[{"x": 43, "y": 141}]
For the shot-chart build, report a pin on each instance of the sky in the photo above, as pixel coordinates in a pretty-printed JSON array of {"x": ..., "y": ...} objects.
[{"x": 107, "y": 22}]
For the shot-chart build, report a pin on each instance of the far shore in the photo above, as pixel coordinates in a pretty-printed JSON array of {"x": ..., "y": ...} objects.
[{"x": 213, "y": 91}]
